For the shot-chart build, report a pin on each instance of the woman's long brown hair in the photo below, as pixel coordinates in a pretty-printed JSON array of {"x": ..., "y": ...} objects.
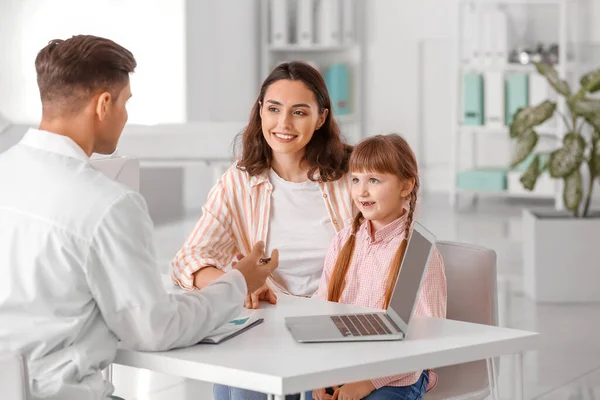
[
  {"x": 384, "y": 154},
  {"x": 326, "y": 153}
]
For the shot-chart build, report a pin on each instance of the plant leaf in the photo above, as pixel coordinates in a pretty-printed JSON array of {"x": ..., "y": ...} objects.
[
  {"x": 568, "y": 158},
  {"x": 551, "y": 75},
  {"x": 531, "y": 174},
  {"x": 525, "y": 145},
  {"x": 590, "y": 82},
  {"x": 596, "y": 159},
  {"x": 527, "y": 118},
  {"x": 573, "y": 191},
  {"x": 589, "y": 109}
]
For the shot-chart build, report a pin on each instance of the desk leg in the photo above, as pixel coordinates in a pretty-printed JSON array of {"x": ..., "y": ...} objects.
[
  {"x": 492, "y": 378},
  {"x": 495, "y": 378},
  {"x": 108, "y": 373},
  {"x": 519, "y": 389}
]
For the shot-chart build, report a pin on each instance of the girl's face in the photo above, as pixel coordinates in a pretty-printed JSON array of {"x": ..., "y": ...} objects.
[
  {"x": 290, "y": 115},
  {"x": 380, "y": 196}
]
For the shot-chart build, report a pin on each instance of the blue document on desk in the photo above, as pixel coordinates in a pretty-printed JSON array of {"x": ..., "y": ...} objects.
[{"x": 246, "y": 320}]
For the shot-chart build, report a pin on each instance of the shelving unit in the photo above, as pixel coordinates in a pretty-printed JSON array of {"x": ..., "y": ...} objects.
[
  {"x": 461, "y": 132},
  {"x": 349, "y": 51}
]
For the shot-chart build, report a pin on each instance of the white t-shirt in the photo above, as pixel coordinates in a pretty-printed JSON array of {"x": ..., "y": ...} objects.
[{"x": 300, "y": 228}]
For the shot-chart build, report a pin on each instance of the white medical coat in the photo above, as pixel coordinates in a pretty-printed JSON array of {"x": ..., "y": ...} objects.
[{"x": 78, "y": 272}]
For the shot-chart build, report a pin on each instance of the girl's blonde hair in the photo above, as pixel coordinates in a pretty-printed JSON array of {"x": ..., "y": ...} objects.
[{"x": 383, "y": 154}]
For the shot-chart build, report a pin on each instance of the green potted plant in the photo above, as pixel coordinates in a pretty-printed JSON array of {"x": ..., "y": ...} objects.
[{"x": 560, "y": 248}]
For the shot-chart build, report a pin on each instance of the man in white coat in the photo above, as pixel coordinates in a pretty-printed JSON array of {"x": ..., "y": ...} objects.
[{"x": 78, "y": 271}]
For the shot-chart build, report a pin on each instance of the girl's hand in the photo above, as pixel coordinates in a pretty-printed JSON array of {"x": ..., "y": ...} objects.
[
  {"x": 354, "y": 391},
  {"x": 321, "y": 394}
]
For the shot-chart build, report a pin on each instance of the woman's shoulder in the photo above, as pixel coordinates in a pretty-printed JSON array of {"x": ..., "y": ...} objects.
[
  {"x": 234, "y": 176},
  {"x": 343, "y": 183}
]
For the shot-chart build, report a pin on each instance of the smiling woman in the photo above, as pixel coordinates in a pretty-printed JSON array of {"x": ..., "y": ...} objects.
[{"x": 290, "y": 188}]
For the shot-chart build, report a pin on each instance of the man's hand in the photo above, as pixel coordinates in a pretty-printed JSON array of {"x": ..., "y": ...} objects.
[
  {"x": 256, "y": 274},
  {"x": 265, "y": 293},
  {"x": 354, "y": 391}
]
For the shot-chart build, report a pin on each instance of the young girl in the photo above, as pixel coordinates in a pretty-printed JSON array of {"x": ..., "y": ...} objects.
[{"x": 363, "y": 260}]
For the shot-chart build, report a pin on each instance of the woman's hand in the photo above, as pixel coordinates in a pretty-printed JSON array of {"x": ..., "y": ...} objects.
[
  {"x": 265, "y": 293},
  {"x": 354, "y": 391}
]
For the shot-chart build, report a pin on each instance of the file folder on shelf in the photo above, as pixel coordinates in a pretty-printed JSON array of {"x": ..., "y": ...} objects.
[
  {"x": 517, "y": 94},
  {"x": 472, "y": 99}
]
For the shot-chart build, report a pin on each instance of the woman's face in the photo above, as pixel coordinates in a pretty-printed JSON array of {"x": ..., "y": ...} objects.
[{"x": 290, "y": 116}]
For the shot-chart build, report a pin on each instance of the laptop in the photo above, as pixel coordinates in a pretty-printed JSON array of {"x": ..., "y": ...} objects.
[{"x": 391, "y": 324}]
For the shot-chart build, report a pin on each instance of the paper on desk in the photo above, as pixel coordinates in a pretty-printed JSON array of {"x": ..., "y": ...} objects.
[{"x": 246, "y": 320}]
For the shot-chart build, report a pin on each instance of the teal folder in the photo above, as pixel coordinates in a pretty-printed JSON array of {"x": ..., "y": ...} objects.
[
  {"x": 490, "y": 179},
  {"x": 517, "y": 94},
  {"x": 472, "y": 99},
  {"x": 337, "y": 79}
]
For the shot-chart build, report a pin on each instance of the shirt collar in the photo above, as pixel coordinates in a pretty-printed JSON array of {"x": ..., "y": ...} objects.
[
  {"x": 388, "y": 232},
  {"x": 53, "y": 142},
  {"x": 260, "y": 178},
  {"x": 264, "y": 177}
]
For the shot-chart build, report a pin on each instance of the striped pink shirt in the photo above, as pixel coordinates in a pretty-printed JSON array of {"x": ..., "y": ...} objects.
[
  {"x": 366, "y": 280},
  {"x": 236, "y": 216}
]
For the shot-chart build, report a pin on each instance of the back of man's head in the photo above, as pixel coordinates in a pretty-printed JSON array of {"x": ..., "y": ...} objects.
[{"x": 70, "y": 72}]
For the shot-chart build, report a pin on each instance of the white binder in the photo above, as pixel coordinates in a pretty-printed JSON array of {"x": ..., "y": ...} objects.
[
  {"x": 493, "y": 103},
  {"x": 305, "y": 31},
  {"x": 348, "y": 21},
  {"x": 487, "y": 33},
  {"x": 329, "y": 22},
  {"x": 500, "y": 30},
  {"x": 279, "y": 23},
  {"x": 470, "y": 33}
]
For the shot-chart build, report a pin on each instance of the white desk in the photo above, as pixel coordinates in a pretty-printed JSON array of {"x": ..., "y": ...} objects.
[{"x": 267, "y": 359}]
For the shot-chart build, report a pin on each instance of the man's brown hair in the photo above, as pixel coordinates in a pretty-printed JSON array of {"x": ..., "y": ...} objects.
[{"x": 70, "y": 71}]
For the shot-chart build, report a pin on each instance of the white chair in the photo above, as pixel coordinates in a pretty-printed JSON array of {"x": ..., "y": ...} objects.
[
  {"x": 14, "y": 381},
  {"x": 472, "y": 297}
]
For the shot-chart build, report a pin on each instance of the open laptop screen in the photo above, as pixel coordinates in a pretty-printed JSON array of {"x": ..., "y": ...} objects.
[{"x": 409, "y": 279}]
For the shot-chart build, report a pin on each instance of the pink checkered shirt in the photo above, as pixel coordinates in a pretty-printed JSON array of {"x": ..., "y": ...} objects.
[{"x": 365, "y": 281}]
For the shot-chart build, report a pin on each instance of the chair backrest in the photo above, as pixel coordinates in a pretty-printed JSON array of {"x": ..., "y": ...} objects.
[
  {"x": 14, "y": 381},
  {"x": 125, "y": 170},
  {"x": 471, "y": 282}
]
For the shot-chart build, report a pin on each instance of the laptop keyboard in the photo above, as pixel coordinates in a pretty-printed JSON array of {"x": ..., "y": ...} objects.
[{"x": 362, "y": 325}]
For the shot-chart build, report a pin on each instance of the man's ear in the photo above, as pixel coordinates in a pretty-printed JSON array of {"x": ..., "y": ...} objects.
[
  {"x": 408, "y": 187},
  {"x": 322, "y": 118},
  {"x": 102, "y": 104}
]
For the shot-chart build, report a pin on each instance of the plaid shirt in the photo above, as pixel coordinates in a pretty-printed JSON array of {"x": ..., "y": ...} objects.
[{"x": 366, "y": 280}]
